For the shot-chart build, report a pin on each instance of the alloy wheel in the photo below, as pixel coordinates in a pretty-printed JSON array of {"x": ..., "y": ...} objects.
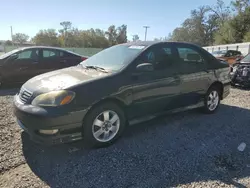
[
  {"x": 213, "y": 100},
  {"x": 106, "y": 126}
]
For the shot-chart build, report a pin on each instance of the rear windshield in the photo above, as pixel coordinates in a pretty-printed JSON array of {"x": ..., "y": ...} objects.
[{"x": 246, "y": 59}]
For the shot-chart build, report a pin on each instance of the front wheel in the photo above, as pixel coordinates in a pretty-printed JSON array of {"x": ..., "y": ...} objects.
[
  {"x": 212, "y": 100},
  {"x": 103, "y": 125}
]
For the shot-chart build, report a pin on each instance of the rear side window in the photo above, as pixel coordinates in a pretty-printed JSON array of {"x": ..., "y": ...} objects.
[
  {"x": 50, "y": 53},
  {"x": 66, "y": 54},
  {"x": 190, "y": 55}
]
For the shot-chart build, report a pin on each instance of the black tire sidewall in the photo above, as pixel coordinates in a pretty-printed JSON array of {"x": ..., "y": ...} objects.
[
  {"x": 206, "y": 100},
  {"x": 88, "y": 138}
]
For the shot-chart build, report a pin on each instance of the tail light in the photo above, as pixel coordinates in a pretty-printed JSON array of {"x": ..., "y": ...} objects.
[{"x": 83, "y": 58}]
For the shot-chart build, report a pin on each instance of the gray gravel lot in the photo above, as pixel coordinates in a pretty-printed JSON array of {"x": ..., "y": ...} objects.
[{"x": 188, "y": 149}]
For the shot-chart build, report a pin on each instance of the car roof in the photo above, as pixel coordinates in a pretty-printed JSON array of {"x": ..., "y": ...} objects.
[
  {"x": 150, "y": 43},
  {"x": 48, "y": 47}
]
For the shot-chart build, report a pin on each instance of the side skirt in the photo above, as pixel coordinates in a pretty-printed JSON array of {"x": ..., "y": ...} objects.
[{"x": 150, "y": 117}]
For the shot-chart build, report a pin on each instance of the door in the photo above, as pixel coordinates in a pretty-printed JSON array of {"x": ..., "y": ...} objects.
[
  {"x": 155, "y": 91},
  {"x": 24, "y": 67},
  {"x": 50, "y": 60},
  {"x": 194, "y": 74}
]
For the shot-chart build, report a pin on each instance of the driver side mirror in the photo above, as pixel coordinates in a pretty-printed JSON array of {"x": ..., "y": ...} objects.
[{"x": 145, "y": 67}]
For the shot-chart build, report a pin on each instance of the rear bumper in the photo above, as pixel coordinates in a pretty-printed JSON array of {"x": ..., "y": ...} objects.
[{"x": 32, "y": 119}]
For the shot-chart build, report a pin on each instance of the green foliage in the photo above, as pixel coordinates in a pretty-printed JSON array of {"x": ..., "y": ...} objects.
[
  {"x": 69, "y": 36},
  {"x": 247, "y": 37},
  {"x": 209, "y": 25},
  {"x": 225, "y": 34}
]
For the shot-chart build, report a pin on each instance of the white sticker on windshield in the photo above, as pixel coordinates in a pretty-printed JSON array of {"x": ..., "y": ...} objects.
[{"x": 137, "y": 47}]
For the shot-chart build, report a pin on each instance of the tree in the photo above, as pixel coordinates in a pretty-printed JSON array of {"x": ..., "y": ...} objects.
[
  {"x": 241, "y": 24},
  {"x": 221, "y": 11},
  {"x": 247, "y": 37},
  {"x": 121, "y": 34},
  {"x": 135, "y": 38},
  {"x": 65, "y": 32},
  {"x": 111, "y": 35},
  {"x": 240, "y": 5},
  {"x": 225, "y": 35},
  {"x": 47, "y": 37},
  {"x": 8, "y": 43},
  {"x": 20, "y": 38}
]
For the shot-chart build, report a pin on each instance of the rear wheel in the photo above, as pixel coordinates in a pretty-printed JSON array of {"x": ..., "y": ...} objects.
[
  {"x": 103, "y": 125},
  {"x": 212, "y": 100}
]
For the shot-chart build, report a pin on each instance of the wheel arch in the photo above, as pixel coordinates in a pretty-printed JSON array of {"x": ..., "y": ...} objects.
[
  {"x": 114, "y": 100},
  {"x": 218, "y": 85}
]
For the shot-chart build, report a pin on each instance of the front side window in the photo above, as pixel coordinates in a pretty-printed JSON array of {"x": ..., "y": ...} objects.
[
  {"x": 29, "y": 54},
  {"x": 190, "y": 55},
  {"x": 161, "y": 57}
]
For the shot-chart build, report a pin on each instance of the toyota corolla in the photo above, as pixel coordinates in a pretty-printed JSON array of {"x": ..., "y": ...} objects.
[{"x": 125, "y": 83}]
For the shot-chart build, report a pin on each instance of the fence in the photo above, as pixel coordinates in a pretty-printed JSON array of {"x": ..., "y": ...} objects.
[
  {"x": 244, "y": 48},
  {"x": 81, "y": 51}
]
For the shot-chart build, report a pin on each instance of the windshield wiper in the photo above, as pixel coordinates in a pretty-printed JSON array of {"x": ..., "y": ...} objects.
[{"x": 96, "y": 68}]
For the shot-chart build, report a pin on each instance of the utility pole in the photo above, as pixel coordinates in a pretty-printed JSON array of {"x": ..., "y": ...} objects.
[
  {"x": 146, "y": 30},
  {"x": 11, "y": 32}
]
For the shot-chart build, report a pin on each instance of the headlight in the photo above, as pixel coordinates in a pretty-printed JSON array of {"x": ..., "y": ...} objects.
[{"x": 54, "y": 98}]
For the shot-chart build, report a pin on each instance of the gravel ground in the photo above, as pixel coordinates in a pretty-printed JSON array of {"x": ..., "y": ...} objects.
[{"x": 188, "y": 149}]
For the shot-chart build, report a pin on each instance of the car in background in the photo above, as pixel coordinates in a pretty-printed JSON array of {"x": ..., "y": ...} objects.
[
  {"x": 229, "y": 56},
  {"x": 19, "y": 65},
  {"x": 240, "y": 72},
  {"x": 122, "y": 84}
]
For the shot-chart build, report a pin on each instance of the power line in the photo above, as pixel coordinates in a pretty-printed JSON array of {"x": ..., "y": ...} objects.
[{"x": 146, "y": 30}]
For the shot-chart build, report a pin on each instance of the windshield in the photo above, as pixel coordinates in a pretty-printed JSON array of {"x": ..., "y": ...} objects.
[
  {"x": 8, "y": 53},
  {"x": 113, "y": 58},
  {"x": 246, "y": 59}
]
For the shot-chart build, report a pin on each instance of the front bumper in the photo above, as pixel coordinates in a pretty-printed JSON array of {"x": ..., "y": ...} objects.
[{"x": 32, "y": 119}]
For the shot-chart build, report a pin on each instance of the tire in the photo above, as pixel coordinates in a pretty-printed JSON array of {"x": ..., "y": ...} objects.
[
  {"x": 98, "y": 122},
  {"x": 212, "y": 100}
]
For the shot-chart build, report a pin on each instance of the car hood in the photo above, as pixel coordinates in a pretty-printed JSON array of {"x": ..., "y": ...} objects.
[{"x": 62, "y": 79}]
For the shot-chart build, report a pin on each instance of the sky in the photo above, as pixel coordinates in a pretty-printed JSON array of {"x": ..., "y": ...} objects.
[{"x": 163, "y": 16}]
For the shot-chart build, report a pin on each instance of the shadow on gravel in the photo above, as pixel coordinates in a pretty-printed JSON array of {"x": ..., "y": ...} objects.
[
  {"x": 168, "y": 151},
  {"x": 9, "y": 90}
]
